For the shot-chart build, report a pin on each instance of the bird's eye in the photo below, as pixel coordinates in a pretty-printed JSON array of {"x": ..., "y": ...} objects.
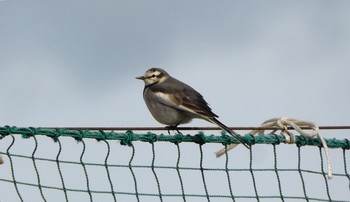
[{"x": 153, "y": 75}]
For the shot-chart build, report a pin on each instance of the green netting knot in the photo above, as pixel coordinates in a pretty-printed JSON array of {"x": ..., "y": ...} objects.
[
  {"x": 301, "y": 141},
  {"x": 250, "y": 139},
  {"x": 151, "y": 137},
  {"x": 199, "y": 138},
  {"x": 332, "y": 142},
  {"x": 127, "y": 138},
  {"x": 347, "y": 144},
  {"x": 273, "y": 139},
  {"x": 6, "y": 130},
  {"x": 103, "y": 135},
  {"x": 27, "y": 132},
  {"x": 59, "y": 132},
  {"x": 178, "y": 138},
  {"x": 276, "y": 140},
  {"x": 226, "y": 138},
  {"x": 49, "y": 133},
  {"x": 80, "y": 135}
]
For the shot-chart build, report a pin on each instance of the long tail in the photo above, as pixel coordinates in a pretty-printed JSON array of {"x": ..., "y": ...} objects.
[{"x": 231, "y": 132}]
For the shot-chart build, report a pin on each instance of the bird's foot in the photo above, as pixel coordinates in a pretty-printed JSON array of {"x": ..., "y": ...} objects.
[{"x": 172, "y": 128}]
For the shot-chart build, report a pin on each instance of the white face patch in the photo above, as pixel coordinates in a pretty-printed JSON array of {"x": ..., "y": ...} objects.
[
  {"x": 153, "y": 77},
  {"x": 152, "y": 74},
  {"x": 157, "y": 73}
]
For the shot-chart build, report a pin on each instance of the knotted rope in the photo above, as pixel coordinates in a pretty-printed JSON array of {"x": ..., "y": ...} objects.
[{"x": 284, "y": 124}]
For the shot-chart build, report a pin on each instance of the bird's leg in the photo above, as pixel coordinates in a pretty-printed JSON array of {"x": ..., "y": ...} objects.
[{"x": 173, "y": 128}]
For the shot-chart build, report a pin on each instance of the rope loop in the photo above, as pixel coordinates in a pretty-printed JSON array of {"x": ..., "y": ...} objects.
[{"x": 283, "y": 123}]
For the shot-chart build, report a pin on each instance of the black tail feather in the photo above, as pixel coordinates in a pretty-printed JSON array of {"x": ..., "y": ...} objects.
[{"x": 231, "y": 132}]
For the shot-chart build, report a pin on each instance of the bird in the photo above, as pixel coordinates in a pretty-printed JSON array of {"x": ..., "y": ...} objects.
[{"x": 172, "y": 102}]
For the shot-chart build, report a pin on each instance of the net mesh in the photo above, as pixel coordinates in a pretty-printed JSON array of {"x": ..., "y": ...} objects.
[{"x": 49, "y": 165}]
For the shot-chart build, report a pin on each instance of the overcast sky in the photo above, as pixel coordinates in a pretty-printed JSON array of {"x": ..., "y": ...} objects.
[{"x": 74, "y": 63}]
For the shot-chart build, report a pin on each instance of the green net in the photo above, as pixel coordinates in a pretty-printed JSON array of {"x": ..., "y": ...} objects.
[{"x": 43, "y": 164}]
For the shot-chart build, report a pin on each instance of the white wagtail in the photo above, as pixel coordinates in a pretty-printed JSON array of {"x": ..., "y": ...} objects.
[{"x": 172, "y": 102}]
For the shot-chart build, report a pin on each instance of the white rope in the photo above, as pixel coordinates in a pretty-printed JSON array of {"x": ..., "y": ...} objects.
[
  {"x": 224, "y": 150},
  {"x": 282, "y": 124}
]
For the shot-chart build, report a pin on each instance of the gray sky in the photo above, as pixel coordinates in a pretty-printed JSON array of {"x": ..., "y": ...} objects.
[{"x": 73, "y": 63}]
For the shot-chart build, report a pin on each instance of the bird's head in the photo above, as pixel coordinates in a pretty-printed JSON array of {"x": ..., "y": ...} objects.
[{"x": 153, "y": 76}]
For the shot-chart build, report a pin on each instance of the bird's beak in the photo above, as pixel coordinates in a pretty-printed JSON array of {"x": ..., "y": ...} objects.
[{"x": 140, "y": 77}]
